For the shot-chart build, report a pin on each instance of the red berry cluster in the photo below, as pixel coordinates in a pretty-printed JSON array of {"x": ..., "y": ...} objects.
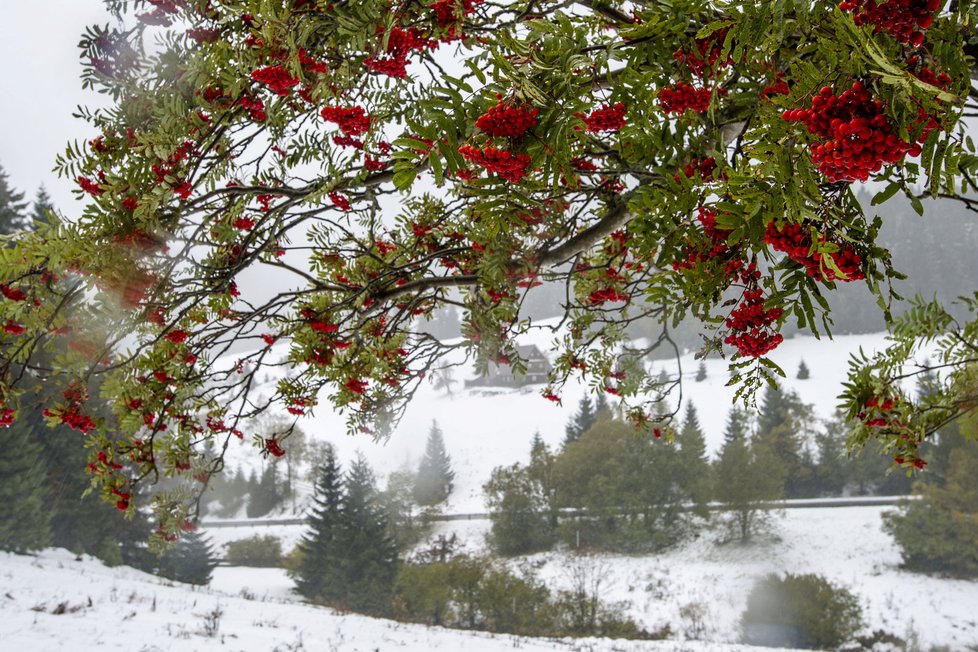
[
  {"x": 506, "y": 165},
  {"x": 13, "y": 294},
  {"x": 714, "y": 247},
  {"x": 356, "y": 385},
  {"x": 684, "y": 97},
  {"x": 273, "y": 448},
  {"x": 71, "y": 414},
  {"x": 920, "y": 70},
  {"x": 706, "y": 55},
  {"x": 244, "y": 223},
  {"x": 904, "y": 20},
  {"x": 752, "y": 329},
  {"x": 697, "y": 168},
  {"x": 603, "y": 295},
  {"x": 91, "y": 187},
  {"x": 254, "y": 107},
  {"x": 400, "y": 44},
  {"x": 449, "y": 12},
  {"x": 13, "y": 328},
  {"x": 794, "y": 240},
  {"x": 276, "y": 78},
  {"x": 607, "y": 118},
  {"x": 779, "y": 87},
  {"x": 203, "y": 34},
  {"x": 503, "y": 121},
  {"x": 859, "y": 138},
  {"x": 875, "y": 412},
  {"x": 340, "y": 201},
  {"x": 7, "y": 417},
  {"x": 161, "y": 13},
  {"x": 352, "y": 121}
]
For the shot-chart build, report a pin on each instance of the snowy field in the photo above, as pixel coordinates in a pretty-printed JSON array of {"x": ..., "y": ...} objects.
[
  {"x": 55, "y": 602},
  {"x": 698, "y": 590}
]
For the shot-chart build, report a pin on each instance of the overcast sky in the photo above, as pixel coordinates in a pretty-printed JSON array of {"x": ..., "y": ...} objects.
[{"x": 42, "y": 88}]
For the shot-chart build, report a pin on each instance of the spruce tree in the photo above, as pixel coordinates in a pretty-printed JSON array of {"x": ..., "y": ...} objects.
[
  {"x": 265, "y": 495},
  {"x": 12, "y": 207},
  {"x": 43, "y": 207},
  {"x": 701, "y": 372},
  {"x": 24, "y": 512},
  {"x": 782, "y": 421},
  {"x": 694, "y": 465},
  {"x": 320, "y": 551},
  {"x": 803, "y": 372},
  {"x": 82, "y": 523},
  {"x": 369, "y": 562},
  {"x": 832, "y": 469},
  {"x": 541, "y": 472},
  {"x": 746, "y": 479},
  {"x": 602, "y": 410},
  {"x": 939, "y": 532},
  {"x": 191, "y": 560},
  {"x": 581, "y": 422},
  {"x": 737, "y": 425},
  {"x": 435, "y": 477}
]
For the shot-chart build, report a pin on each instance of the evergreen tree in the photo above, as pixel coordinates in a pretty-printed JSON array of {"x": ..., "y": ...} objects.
[
  {"x": 24, "y": 514},
  {"x": 939, "y": 532},
  {"x": 582, "y": 421},
  {"x": 397, "y": 503},
  {"x": 320, "y": 550},
  {"x": 541, "y": 471},
  {"x": 369, "y": 562},
  {"x": 747, "y": 478},
  {"x": 82, "y": 523},
  {"x": 265, "y": 495},
  {"x": 803, "y": 372},
  {"x": 832, "y": 469},
  {"x": 694, "y": 465},
  {"x": 43, "y": 207},
  {"x": 435, "y": 477},
  {"x": 783, "y": 420},
  {"x": 737, "y": 425},
  {"x": 701, "y": 372},
  {"x": 12, "y": 207},
  {"x": 348, "y": 558},
  {"x": 191, "y": 560},
  {"x": 602, "y": 410}
]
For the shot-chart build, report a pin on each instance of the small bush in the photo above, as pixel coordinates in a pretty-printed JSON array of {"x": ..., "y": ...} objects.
[
  {"x": 475, "y": 593},
  {"x": 804, "y": 611},
  {"x": 258, "y": 551}
]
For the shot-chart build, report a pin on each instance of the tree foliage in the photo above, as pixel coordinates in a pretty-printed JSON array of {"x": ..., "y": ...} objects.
[
  {"x": 190, "y": 561},
  {"x": 747, "y": 478},
  {"x": 435, "y": 478},
  {"x": 654, "y": 159},
  {"x": 347, "y": 559},
  {"x": 938, "y": 532}
]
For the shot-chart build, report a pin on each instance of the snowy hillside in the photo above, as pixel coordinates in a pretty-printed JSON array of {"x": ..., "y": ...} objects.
[{"x": 489, "y": 427}]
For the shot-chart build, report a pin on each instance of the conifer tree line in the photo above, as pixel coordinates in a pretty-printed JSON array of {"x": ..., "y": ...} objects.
[{"x": 607, "y": 488}]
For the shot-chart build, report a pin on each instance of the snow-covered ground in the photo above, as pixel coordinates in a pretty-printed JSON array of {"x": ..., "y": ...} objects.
[
  {"x": 488, "y": 427},
  {"x": 698, "y": 590},
  {"x": 58, "y": 602}
]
